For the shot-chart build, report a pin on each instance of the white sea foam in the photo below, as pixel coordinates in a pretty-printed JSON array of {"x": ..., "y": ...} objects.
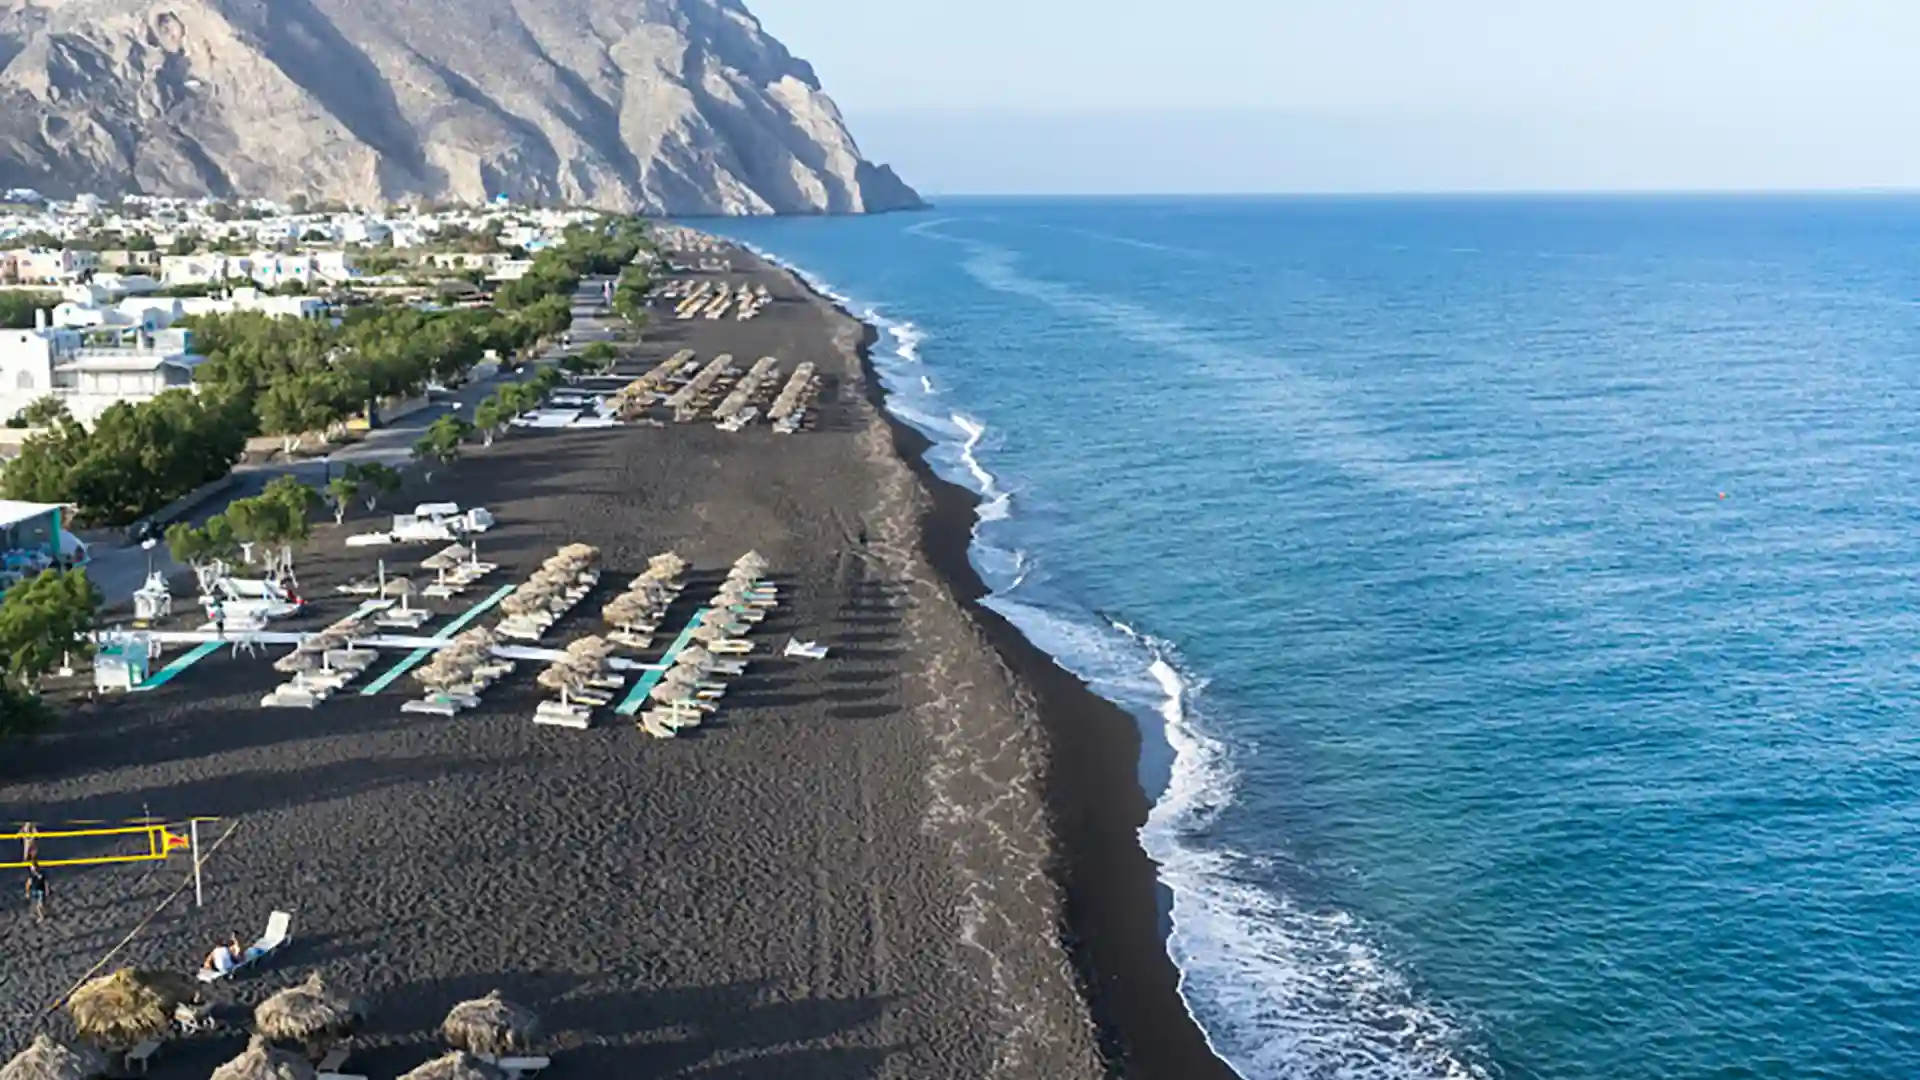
[
  {"x": 906, "y": 340},
  {"x": 995, "y": 504}
]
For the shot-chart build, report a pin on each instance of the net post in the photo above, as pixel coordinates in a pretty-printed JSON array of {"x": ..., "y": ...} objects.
[{"x": 193, "y": 833}]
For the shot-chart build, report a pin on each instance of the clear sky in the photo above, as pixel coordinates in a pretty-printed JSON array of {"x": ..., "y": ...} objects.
[{"x": 1098, "y": 96}]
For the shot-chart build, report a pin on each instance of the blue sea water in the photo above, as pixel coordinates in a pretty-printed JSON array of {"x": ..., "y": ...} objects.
[{"x": 1519, "y": 597}]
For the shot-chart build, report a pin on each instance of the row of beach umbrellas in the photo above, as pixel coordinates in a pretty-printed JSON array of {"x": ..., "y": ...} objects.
[
  {"x": 556, "y": 575},
  {"x": 130, "y": 1006},
  {"x": 791, "y": 395},
  {"x": 648, "y": 594},
  {"x": 582, "y": 661},
  {"x": 454, "y": 663},
  {"x": 690, "y": 668}
]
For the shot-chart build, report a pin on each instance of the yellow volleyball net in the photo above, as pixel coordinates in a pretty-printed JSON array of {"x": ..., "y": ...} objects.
[{"x": 94, "y": 844}]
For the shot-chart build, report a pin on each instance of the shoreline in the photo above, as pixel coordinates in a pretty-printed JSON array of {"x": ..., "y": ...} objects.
[{"x": 1112, "y": 896}]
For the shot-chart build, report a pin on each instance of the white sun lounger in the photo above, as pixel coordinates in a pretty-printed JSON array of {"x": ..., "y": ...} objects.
[
  {"x": 279, "y": 932},
  {"x": 554, "y": 714},
  {"x": 805, "y": 650},
  {"x": 289, "y": 696},
  {"x": 438, "y": 705},
  {"x": 522, "y": 1068},
  {"x": 403, "y": 619}
]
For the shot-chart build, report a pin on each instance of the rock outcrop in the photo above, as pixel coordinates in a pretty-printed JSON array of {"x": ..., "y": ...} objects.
[{"x": 661, "y": 106}]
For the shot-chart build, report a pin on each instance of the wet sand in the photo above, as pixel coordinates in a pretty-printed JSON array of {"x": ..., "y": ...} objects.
[{"x": 853, "y": 873}]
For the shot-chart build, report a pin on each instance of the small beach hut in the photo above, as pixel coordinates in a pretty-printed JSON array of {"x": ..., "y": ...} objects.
[
  {"x": 311, "y": 1014},
  {"x": 456, "y": 1066},
  {"x": 128, "y": 1007},
  {"x": 491, "y": 1025},
  {"x": 45, "y": 1059},
  {"x": 260, "y": 1061}
]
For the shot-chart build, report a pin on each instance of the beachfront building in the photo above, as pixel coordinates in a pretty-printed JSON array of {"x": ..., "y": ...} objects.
[{"x": 89, "y": 370}]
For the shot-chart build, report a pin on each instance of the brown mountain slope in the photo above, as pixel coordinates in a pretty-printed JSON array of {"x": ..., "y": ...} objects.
[{"x": 666, "y": 106}]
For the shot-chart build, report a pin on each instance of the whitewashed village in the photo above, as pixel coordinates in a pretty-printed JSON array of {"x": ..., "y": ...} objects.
[{"x": 107, "y": 282}]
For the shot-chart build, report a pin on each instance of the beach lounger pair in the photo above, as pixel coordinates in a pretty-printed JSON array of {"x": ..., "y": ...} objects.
[
  {"x": 433, "y": 705},
  {"x": 554, "y": 714},
  {"x": 279, "y": 932},
  {"x": 411, "y": 618}
]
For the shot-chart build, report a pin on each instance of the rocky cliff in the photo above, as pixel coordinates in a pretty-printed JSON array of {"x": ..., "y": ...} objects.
[{"x": 662, "y": 106}]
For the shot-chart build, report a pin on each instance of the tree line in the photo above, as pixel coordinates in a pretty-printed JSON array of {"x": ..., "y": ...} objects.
[{"x": 135, "y": 459}]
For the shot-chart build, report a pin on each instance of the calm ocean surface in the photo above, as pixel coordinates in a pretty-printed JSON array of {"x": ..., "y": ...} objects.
[{"x": 1520, "y": 597}]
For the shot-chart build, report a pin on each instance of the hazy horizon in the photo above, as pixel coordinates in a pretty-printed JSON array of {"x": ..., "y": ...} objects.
[{"x": 1369, "y": 96}]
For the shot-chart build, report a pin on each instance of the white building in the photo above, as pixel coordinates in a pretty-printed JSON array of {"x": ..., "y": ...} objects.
[
  {"x": 53, "y": 266},
  {"x": 90, "y": 371},
  {"x": 282, "y": 307}
]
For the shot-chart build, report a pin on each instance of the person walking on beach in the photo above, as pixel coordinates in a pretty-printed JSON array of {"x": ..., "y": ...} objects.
[{"x": 37, "y": 893}]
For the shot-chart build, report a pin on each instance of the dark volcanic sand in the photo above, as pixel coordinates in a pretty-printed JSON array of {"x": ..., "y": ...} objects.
[{"x": 850, "y": 874}]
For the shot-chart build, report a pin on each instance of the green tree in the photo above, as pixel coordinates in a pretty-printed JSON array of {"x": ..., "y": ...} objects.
[
  {"x": 375, "y": 481},
  {"x": 44, "y": 412},
  {"x": 43, "y": 620},
  {"x": 291, "y": 492},
  {"x": 441, "y": 443},
  {"x": 17, "y": 307},
  {"x": 136, "y": 459},
  {"x": 341, "y": 491},
  {"x": 602, "y": 356},
  {"x": 492, "y": 416},
  {"x": 309, "y": 401}
]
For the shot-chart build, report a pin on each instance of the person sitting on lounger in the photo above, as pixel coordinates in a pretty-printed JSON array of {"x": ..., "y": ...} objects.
[{"x": 223, "y": 958}]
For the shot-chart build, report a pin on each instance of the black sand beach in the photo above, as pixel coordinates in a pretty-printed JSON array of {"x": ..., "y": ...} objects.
[{"x": 875, "y": 865}]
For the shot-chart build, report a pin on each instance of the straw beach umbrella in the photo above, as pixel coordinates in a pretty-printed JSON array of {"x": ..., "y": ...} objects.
[
  {"x": 694, "y": 659},
  {"x": 666, "y": 693},
  {"x": 311, "y": 1014},
  {"x": 592, "y": 649},
  {"x": 491, "y": 1025},
  {"x": 128, "y": 1006},
  {"x": 260, "y": 1061},
  {"x": 456, "y": 1066},
  {"x": 711, "y": 630},
  {"x": 297, "y": 661},
  {"x": 49, "y": 1060}
]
